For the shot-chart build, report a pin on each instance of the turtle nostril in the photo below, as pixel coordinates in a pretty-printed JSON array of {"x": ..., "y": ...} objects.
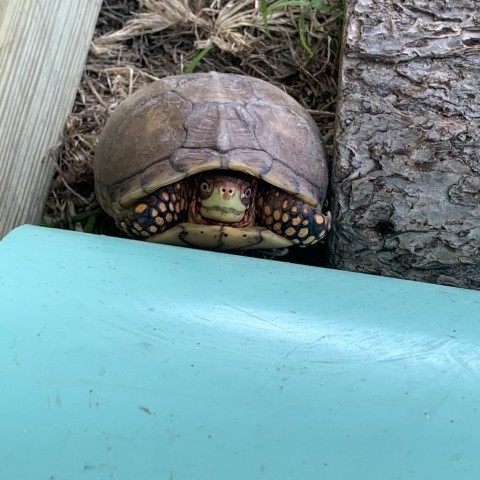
[{"x": 230, "y": 191}]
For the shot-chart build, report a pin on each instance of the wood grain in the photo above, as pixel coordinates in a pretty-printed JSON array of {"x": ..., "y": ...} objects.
[
  {"x": 406, "y": 175},
  {"x": 43, "y": 47}
]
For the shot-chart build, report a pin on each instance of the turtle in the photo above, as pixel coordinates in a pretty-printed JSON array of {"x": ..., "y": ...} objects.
[{"x": 214, "y": 160}]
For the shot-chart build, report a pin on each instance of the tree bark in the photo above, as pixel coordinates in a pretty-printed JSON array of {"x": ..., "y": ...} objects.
[{"x": 406, "y": 173}]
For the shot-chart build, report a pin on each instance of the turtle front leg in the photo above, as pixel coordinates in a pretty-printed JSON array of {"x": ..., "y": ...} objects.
[
  {"x": 290, "y": 217},
  {"x": 161, "y": 210}
]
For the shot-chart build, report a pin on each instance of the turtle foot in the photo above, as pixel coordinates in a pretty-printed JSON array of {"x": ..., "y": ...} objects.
[
  {"x": 290, "y": 217},
  {"x": 160, "y": 211}
]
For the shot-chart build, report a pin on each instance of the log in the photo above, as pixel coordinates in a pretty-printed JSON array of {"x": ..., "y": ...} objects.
[
  {"x": 406, "y": 173},
  {"x": 43, "y": 48}
]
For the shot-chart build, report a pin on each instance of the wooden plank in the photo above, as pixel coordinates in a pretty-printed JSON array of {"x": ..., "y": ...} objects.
[
  {"x": 43, "y": 47},
  {"x": 406, "y": 177}
]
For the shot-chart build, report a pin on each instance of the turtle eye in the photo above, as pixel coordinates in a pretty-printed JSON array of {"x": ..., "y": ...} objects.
[
  {"x": 247, "y": 193},
  {"x": 205, "y": 187}
]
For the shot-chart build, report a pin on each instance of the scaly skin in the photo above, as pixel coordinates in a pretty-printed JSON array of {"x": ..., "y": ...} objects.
[
  {"x": 233, "y": 199},
  {"x": 158, "y": 212},
  {"x": 290, "y": 217}
]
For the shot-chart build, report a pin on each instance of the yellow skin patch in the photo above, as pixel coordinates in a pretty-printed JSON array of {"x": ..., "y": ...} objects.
[
  {"x": 224, "y": 198},
  {"x": 223, "y": 208}
]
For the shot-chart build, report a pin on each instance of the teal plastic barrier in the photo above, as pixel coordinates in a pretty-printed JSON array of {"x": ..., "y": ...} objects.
[{"x": 125, "y": 360}]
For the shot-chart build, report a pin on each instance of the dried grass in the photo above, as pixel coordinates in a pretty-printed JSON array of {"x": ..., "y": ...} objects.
[{"x": 137, "y": 42}]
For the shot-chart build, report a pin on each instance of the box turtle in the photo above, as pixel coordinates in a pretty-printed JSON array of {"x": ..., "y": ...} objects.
[{"x": 211, "y": 160}]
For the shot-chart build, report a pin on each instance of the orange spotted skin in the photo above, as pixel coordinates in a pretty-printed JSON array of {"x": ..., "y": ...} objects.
[
  {"x": 158, "y": 212},
  {"x": 288, "y": 216},
  {"x": 278, "y": 211}
]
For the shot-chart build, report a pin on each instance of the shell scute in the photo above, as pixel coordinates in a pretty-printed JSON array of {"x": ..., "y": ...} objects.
[
  {"x": 223, "y": 127},
  {"x": 215, "y": 87},
  {"x": 151, "y": 130},
  {"x": 297, "y": 150},
  {"x": 192, "y": 161},
  {"x": 254, "y": 162}
]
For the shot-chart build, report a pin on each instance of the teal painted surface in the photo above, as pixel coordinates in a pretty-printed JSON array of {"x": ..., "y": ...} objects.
[{"x": 125, "y": 360}]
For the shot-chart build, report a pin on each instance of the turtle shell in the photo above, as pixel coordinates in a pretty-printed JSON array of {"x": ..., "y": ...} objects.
[{"x": 186, "y": 124}]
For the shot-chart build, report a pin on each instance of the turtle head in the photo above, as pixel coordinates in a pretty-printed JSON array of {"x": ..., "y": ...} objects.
[{"x": 223, "y": 198}]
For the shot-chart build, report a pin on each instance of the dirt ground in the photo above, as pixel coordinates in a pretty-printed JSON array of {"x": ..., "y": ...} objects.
[{"x": 294, "y": 44}]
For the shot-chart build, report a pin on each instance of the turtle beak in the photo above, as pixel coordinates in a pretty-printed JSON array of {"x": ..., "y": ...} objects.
[{"x": 224, "y": 204}]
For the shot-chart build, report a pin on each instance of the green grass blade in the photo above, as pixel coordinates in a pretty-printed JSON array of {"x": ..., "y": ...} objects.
[
  {"x": 328, "y": 136},
  {"x": 315, "y": 4},
  {"x": 301, "y": 28},
  {"x": 264, "y": 9},
  {"x": 197, "y": 59},
  {"x": 90, "y": 225},
  {"x": 287, "y": 3},
  {"x": 80, "y": 217}
]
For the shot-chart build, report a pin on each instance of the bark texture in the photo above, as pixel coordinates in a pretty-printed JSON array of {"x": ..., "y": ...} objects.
[{"x": 406, "y": 174}]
